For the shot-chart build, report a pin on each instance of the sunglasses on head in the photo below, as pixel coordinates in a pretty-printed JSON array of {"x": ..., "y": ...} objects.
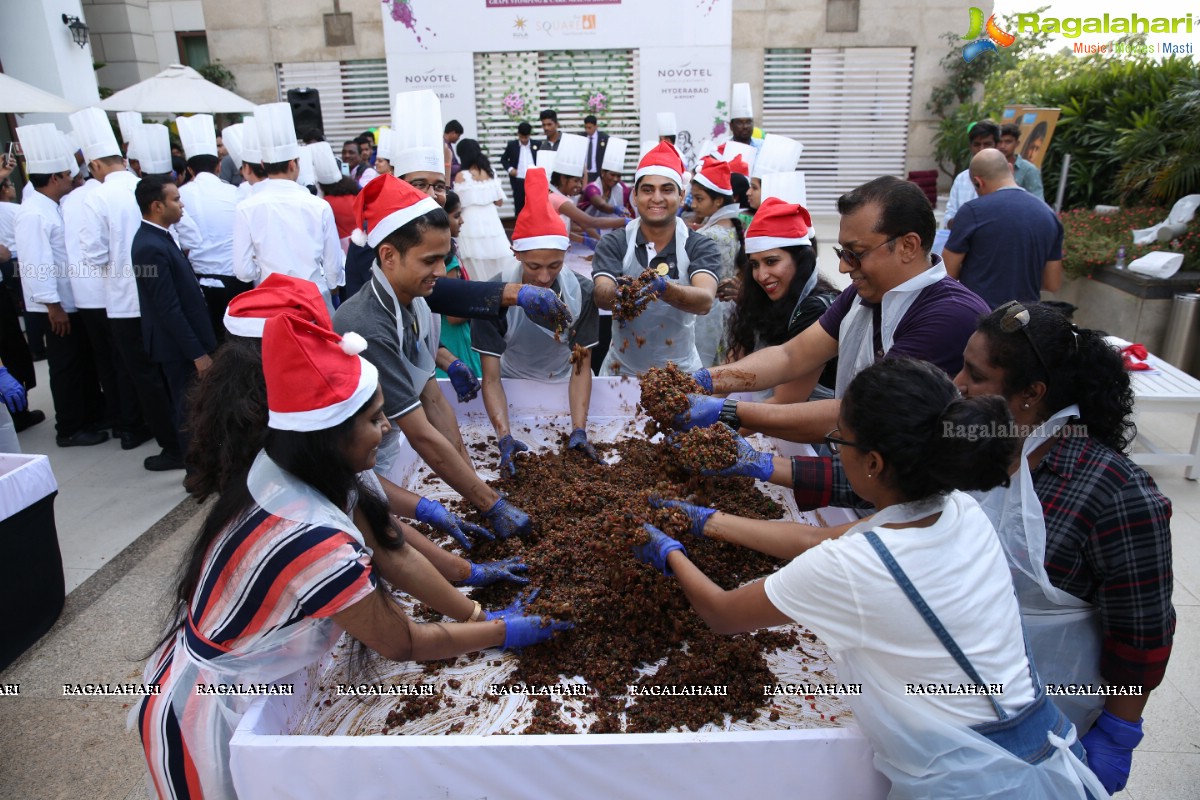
[{"x": 1016, "y": 318}]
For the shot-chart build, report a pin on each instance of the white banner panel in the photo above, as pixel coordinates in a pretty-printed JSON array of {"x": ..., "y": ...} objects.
[
  {"x": 692, "y": 83},
  {"x": 450, "y": 75}
]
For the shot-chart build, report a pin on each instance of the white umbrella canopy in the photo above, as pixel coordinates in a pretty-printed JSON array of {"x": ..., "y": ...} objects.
[
  {"x": 17, "y": 97},
  {"x": 177, "y": 90}
]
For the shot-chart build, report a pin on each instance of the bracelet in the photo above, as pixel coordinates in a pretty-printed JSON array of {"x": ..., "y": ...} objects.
[
  {"x": 478, "y": 614},
  {"x": 729, "y": 414}
]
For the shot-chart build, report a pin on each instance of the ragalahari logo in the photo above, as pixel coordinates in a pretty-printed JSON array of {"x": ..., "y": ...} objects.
[{"x": 994, "y": 36}]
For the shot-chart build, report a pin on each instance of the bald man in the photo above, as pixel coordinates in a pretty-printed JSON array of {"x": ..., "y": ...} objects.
[{"x": 1006, "y": 244}]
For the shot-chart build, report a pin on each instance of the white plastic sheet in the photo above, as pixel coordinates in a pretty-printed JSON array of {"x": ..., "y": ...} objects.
[{"x": 23, "y": 481}]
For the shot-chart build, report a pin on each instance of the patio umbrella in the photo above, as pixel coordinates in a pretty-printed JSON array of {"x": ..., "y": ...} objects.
[
  {"x": 177, "y": 90},
  {"x": 17, "y": 97}
]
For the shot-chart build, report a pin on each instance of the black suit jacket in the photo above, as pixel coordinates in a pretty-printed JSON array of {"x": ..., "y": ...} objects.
[
  {"x": 601, "y": 146},
  {"x": 175, "y": 322},
  {"x": 512, "y": 153}
]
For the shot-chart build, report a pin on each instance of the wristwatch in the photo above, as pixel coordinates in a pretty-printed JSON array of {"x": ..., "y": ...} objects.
[{"x": 729, "y": 415}]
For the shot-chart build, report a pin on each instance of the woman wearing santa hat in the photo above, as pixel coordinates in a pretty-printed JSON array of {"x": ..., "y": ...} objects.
[
  {"x": 279, "y": 569},
  {"x": 717, "y": 212},
  {"x": 782, "y": 294}
]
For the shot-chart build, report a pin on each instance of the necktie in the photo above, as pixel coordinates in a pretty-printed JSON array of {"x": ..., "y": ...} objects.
[{"x": 590, "y": 165}]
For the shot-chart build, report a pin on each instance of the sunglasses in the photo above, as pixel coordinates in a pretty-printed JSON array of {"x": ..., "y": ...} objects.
[
  {"x": 836, "y": 443},
  {"x": 855, "y": 259},
  {"x": 1016, "y": 318}
]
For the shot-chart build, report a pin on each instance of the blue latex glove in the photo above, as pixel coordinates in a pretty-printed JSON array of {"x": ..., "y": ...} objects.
[
  {"x": 514, "y": 609},
  {"x": 579, "y": 441},
  {"x": 1109, "y": 746},
  {"x": 507, "y": 519},
  {"x": 509, "y": 447},
  {"x": 463, "y": 379},
  {"x": 750, "y": 463},
  {"x": 655, "y": 551},
  {"x": 495, "y": 571},
  {"x": 431, "y": 512},
  {"x": 697, "y": 515},
  {"x": 523, "y": 631},
  {"x": 703, "y": 377},
  {"x": 12, "y": 391},
  {"x": 543, "y": 307},
  {"x": 656, "y": 286},
  {"x": 702, "y": 412}
]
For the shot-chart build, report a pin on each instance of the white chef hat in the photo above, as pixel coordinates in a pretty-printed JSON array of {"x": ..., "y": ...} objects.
[
  {"x": 44, "y": 149},
  {"x": 547, "y": 159},
  {"x": 417, "y": 133},
  {"x": 385, "y": 145},
  {"x": 777, "y": 154},
  {"x": 741, "y": 103},
  {"x": 787, "y": 186},
  {"x": 153, "y": 143},
  {"x": 324, "y": 163},
  {"x": 305, "y": 174},
  {"x": 197, "y": 134},
  {"x": 69, "y": 148},
  {"x": 232, "y": 137},
  {"x": 276, "y": 133},
  {"x": 667, "y": 125},
  {"x": 572, "y": 155},
  {"x": 251, "y": 151},
  {"x": 614, "y": 155},
  {"x": 128, "y": 122},
  {"x": 95, "y": 134}
]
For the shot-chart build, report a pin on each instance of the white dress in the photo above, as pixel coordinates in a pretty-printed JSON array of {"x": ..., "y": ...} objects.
[{"x": 483, "y": 245}]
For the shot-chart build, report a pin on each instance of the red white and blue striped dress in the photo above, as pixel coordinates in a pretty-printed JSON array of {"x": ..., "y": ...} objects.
[{"x": 261, "y": 576}]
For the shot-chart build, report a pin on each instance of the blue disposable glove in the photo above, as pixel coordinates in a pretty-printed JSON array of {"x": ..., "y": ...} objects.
[
  {"x": 544, "y": 307},
  {"x": 523, "y": 631},
  {"x": 509, "y": 447},
  {"x": 12, "y": 391},
  {"x": 579, "y": 441},
  {"x": 697, "y": 515},
  {"x": 514, "y": 609},
  {"x": 463, "y": 379},
  {"x": 703, "y": 377},
  {"x": 702, "y": 412},
  {"x": 750, "y": 463},
  {"x": 655, "y": 551},
  {"x": 431, "y": 512},
  {"x": 656, "y": 286},
  {"x": 1109, "y": 746},
  {"x": 507, "y": 519},
  {"x": 495, "y": 571}
]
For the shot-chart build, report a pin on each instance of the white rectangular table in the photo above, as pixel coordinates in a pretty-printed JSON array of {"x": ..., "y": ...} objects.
[{"x": 1168, "y": 390}]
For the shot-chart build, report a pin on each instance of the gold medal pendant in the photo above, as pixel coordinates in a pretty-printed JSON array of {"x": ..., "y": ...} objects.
[{"x": 663, "y": 269}]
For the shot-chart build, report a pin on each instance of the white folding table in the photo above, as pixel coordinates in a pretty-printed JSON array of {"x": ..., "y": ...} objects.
[{"x": 1167, "y": 389}]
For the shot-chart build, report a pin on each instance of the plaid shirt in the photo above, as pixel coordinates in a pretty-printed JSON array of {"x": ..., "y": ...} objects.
[{"x": 1108, "y": 542}]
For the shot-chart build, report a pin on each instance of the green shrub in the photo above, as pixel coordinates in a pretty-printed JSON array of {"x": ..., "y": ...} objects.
[{"x": 1091, "y": 240}]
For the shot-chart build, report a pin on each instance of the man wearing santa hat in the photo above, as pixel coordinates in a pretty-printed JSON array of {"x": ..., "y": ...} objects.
[
  {"x": 410, "y": 234},
  {"x": 686, "y": 265},
  {"x": 282, "y": 227},
  {"x": 516, "y": 347}
]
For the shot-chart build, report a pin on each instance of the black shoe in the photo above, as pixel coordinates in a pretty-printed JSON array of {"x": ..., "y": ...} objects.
[
  {"x": 163, "y": 462},
  {"x": 134, "y": 439},
  {"x": 27, "y": 419},
  {"x": 82, "y": 439}
]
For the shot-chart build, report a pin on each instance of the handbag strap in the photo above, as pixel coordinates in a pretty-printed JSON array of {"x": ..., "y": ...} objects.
[{"x": 931, "y": 619}]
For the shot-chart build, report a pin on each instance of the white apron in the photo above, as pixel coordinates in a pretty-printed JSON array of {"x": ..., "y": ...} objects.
[
  {"x": 429, "y": 329},
  {"x": 927, "y": 755},
  {"x": 530, "y": 351},
  {"x": 1063, "y": 630},
  {"x": 856, "y": 346},
  {"x": 207, "y": 725},
  {"x": 658, "y": 324}
]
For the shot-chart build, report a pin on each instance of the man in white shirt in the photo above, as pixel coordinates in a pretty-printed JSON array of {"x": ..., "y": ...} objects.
[
  {"x": 78, "y": 403},
  {"x": 983, "y": 134},
  {"x": 110, "y": 220},
  {"x": 212, "y": 204},
  {"x": 281, "y": 227}
]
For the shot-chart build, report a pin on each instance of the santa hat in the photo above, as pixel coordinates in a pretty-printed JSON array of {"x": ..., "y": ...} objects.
[
  {"x": 663, "y": 161},
  {"x": 539, "y": 227},
  {"x": 277, "y": 294},
  {"x": 315, "y": 378},
  {"x": 385, "y": 204},
  {"x": 778, "y": 224},
  {"x": 739, "y": 165},
  {"x": 714, "y": 176}
]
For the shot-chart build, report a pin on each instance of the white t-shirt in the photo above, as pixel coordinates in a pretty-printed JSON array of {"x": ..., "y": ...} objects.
[
  {"x": 844, "y": 593},
  {"x": 962, "y": 191}
]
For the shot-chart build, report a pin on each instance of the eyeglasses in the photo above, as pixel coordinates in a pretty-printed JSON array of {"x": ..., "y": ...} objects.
[
  {"x": 855, "y": 259},
  {"x": 422, "y": 185},
  {"x": 1016, "y": 318},
  {"x": 836, "y": 443}
]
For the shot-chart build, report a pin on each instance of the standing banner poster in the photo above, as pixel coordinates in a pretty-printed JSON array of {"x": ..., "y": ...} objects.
[{"x": 1037, "y": 128}]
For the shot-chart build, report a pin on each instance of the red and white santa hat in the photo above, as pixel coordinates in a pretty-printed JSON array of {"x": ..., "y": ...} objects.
[
  {"x": 277, "y": 294},
  {"x": 778, "y": 224},
  {"x": 663, "y": 160},
  {"x": 539, "y": 227},
  {"x": 315, "y": 378},
  {"x": 714, "y": 176},
  {"x": 385, "y": 204},
  {"x": 738, "y": 164}
]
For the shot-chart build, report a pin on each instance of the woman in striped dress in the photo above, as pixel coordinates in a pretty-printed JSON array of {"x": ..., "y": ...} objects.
[{"x": 279, "y": 569}]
